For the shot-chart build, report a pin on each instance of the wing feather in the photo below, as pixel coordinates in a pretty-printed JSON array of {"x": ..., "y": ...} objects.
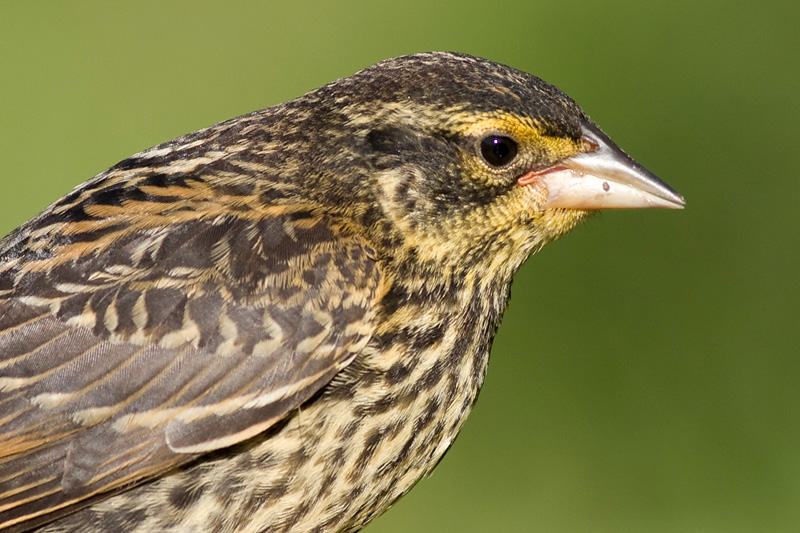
[{"x": 138, "y": 354}]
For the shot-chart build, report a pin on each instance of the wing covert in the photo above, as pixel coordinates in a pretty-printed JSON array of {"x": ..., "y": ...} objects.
[{"x": 133, "y": 355}]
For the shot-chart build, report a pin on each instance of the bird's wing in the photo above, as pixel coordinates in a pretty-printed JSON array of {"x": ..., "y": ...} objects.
[{"x": 128, "y": 346}]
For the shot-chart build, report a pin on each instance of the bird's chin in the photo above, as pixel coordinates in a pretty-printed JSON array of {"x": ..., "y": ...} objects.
[{"x": 558, "y": 221}]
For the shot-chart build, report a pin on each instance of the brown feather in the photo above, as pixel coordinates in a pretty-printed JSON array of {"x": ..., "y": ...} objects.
[{"x": 120, "y": 372}]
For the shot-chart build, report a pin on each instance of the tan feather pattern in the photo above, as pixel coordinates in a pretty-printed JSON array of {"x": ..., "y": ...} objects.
[{"x": 175, "y": 343}]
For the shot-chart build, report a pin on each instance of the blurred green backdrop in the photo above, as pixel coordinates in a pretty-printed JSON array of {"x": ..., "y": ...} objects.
[{"x": 646, "y": 377}]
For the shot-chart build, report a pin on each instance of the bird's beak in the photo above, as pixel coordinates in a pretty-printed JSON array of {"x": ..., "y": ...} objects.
[{"x": 604, "y": 177}]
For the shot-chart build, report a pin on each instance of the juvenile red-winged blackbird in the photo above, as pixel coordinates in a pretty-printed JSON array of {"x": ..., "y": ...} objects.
[{"x": 280, "y": 323}]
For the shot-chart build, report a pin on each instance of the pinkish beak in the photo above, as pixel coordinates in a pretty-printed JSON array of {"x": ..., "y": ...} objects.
[{"x": 604, "y": 177}]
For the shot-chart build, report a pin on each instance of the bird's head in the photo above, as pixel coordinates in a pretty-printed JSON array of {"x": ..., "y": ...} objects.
[{"x": 473, "y": 162}]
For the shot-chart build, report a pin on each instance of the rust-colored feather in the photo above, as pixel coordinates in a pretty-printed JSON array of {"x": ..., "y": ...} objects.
[{"x": 174, "y": 340}]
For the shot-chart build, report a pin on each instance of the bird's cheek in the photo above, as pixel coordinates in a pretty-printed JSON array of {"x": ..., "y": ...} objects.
[
  {"x": 534, "y": 188},
  {"x": 549, "y": 223}
]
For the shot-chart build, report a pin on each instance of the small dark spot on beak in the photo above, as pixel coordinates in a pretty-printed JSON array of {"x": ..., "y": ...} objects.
[{"x": 606, "y": 186}]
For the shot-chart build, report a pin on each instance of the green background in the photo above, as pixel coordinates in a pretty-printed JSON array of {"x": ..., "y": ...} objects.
[{"x": 646, "y": 375}]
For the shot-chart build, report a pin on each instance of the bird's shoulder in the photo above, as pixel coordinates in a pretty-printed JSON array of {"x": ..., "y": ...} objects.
[{"x": 140, "y": 327}]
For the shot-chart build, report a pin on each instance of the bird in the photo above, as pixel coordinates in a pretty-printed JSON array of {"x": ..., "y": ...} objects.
[{"x": 281, "y": 322}]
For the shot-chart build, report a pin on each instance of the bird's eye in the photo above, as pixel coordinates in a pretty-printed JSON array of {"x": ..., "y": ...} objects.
[{"x": 498, "y": 151}]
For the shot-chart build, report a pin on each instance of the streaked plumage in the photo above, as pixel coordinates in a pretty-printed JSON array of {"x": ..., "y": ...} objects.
[{"x": 280, "y": 323}]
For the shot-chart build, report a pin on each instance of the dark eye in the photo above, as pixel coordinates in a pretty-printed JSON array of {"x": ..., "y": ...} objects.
[{"x": 498, "y": 151}]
